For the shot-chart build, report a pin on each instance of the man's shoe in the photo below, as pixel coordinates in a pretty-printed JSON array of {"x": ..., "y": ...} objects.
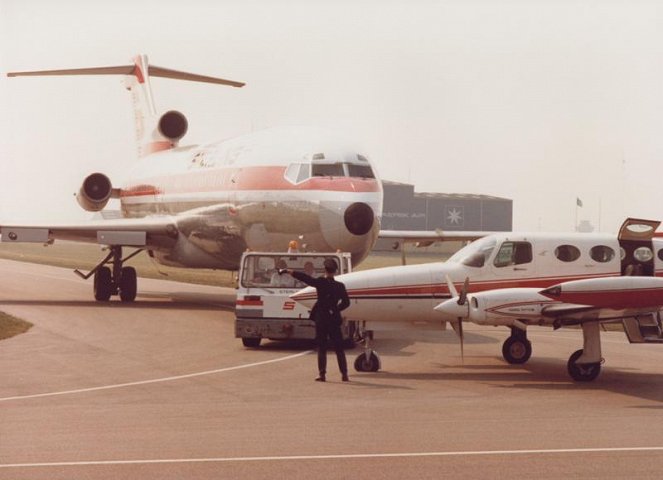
[
  {"x": 345, "y": 378},
  {"x": 321, "y": 378}
]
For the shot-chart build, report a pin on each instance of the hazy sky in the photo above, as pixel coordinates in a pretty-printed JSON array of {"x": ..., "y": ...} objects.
[{"x": 538, "y": 101}]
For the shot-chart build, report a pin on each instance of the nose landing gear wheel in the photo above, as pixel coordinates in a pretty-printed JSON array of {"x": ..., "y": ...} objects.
[
  {"x": 367, "y": 363},
  {"x": 585, "y": 372},
  {"x": 516, "y": 350}
]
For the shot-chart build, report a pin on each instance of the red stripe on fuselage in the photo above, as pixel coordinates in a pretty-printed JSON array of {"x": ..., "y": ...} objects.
[
  {"x": 248, "y": 178},
  {"x": 439, "y": 290}
]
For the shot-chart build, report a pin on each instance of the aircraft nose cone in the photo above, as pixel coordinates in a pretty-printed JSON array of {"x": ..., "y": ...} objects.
[
  {"x": 306, "y": 296},
  {"x": 359, "y": 218},
  {"x": 451, "y": 310}
]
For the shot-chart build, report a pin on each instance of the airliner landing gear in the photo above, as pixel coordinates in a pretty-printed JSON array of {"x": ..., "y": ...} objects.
[
  {"x": 517, "y": 349},
  {"x": 369, "y": 361},
  {"x": 118, "y": 280}
]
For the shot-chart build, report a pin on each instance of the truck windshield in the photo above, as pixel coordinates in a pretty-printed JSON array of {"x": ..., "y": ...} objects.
[{"x": 261, "y": 271}]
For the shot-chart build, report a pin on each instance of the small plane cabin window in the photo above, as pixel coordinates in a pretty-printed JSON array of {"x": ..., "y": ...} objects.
[
  {"x": 643, "y": 254},
  {"x": 660, "y": 254},
  {"x": 328, "y": 170},
  {"x": 567, "y": 253},
  {"x": 513, "y": 253},
  {"x": 360, "y": 171},
  {"x": 602, "y": 253}
]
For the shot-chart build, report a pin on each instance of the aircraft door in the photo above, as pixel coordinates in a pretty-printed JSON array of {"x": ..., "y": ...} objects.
[
  {"x": 636, "y": 245},
  {"x": 514, "y": 260}
]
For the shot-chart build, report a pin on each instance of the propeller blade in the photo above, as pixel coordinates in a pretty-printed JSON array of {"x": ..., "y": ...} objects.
[
  {"x": 462, "y": 298},
  {"x": 458, "y": 328},
  {"x": 452, "y": 287}
]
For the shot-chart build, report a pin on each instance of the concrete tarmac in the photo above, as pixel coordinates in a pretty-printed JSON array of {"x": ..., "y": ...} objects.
[{"x": 160, "y": 388}]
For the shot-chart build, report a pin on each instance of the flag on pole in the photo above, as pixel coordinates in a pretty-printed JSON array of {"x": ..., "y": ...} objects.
[{"x": 578, "y": 202}]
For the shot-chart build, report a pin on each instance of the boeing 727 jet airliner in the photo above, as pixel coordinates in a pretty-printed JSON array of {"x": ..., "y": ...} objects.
[{"x": 201, "y": 206}]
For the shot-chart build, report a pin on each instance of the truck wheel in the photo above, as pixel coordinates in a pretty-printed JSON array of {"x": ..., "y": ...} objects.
[{"x": 251, "y": 342}]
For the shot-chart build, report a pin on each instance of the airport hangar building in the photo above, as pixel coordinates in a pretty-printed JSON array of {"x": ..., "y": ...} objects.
[{"x": 405, "y": 209}]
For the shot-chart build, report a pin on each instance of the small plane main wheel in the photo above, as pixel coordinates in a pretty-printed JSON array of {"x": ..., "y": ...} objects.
[
  {"x": 370, "y": 364},
  {"x": 584, "y": 372},
  {"x": 251, "y": 342},
  {"x": 128, "y": 284},
  {"x": 516, "y": 350},
  {"x": 103, "y": 284}
]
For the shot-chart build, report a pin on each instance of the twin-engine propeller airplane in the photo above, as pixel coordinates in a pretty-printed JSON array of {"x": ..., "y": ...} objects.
[
  {"x": 517, "y": 280},
  {"x": 201, "y": 206}
]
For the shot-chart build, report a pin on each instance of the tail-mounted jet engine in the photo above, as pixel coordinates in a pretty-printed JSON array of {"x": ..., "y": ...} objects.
[
  {"x": 95, "y": 192},
  {"x": 173, "y": 125}
]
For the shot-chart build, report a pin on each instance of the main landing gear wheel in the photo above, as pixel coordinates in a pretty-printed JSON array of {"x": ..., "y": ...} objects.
[
  {"x": 103, "y": 284},
  {"x": 114, "y": 280},
  {"x": 367, "y": 363},
  {"x": 128, "y": 284},
  {"x": 585, "y": 372},
  {"x": 516, "y": 350},
  {"x": 251, "y": 342}
]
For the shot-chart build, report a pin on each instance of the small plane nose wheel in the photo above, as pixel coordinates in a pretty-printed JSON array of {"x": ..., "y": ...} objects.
[
  {"x": 369, "y": 361},
  {"x": 517, "y": 349},
  {"x": 585, "y": 372}
]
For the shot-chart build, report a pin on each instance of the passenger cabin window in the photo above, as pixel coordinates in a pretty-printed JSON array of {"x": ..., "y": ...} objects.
[
  {"x": 513, "y": 253},
  {"x": 643, "y": 254},
  {"x": 602, "y": 253},
  {"x": 660, "y": 254},
  {"x": 328, "y": 170},
  {"x": 567, "y": 253}
]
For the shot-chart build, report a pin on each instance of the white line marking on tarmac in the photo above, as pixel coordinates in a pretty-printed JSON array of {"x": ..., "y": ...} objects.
[
  {"x": 334, "y": 457},
  {"x": 156, "y": 380}
]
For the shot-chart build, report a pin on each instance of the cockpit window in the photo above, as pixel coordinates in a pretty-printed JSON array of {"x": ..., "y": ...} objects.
[
  {"x": 361, "y": 171},
  {"x": 513, "y": 253},
  {"x": 328, "y": 170},
  {"x": 297, "y": 172},
  {"x": 475, "y": 254}
]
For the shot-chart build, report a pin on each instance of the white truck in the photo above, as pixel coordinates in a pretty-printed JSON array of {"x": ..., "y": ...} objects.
[{"x": 264, "y": 308}]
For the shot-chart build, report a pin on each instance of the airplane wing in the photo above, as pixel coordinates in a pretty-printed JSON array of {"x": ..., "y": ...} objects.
[
  {"x": 139, "y": 232},
  {"x": 428, "y": 237},
  {"x": 635, "y": 301}
]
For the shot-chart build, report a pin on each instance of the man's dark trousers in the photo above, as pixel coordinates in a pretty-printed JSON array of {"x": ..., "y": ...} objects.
[{"x": 324, "y": 329}]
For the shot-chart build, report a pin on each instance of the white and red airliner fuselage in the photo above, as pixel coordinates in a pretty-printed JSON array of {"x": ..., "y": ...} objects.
[{"x": 258, "y": 191}]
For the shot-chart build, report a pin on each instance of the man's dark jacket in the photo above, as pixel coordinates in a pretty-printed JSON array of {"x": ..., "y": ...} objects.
[{"x": 332, "y": 298}]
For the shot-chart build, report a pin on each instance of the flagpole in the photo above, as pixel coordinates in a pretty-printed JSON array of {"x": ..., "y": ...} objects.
[{"x": 576, "y": 224}]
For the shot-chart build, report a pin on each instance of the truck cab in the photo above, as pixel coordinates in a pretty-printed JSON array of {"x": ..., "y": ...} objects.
[{"x": 264, "y": 308}]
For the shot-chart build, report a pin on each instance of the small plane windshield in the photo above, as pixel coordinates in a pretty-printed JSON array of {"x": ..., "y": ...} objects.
[{"x": 476, "y": 253}]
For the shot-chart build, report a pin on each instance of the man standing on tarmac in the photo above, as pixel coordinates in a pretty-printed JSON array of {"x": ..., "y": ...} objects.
[{"x": 326, "y": 313}]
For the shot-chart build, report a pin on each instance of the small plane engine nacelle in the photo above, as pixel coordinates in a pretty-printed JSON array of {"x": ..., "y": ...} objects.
[
  {"x": 95, "y": 192},
  {"x": 173, "y": 125}
]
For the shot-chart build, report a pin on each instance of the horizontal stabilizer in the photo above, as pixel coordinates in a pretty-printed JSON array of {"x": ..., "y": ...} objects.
[{"x": 153, "y": 71}]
